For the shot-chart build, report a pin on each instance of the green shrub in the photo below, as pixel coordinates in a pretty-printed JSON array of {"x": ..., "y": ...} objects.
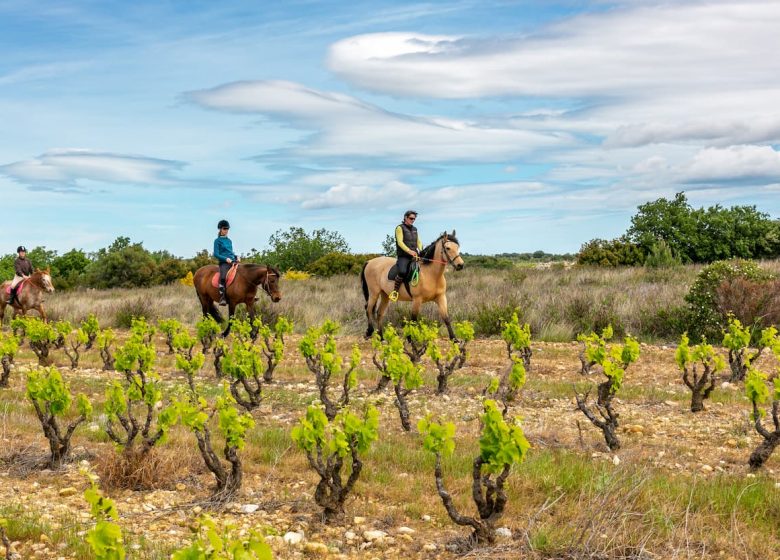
[
  {"x": 91, "y": 328},
  {"x": 501, "y": 445},
  {"x": 488, "y": 261},
  {"x": 327, "y": 444},
  {"x": 615, "y": 252},
  {"x": 489, "y": 318},
  {"x": 9, "y": 346},
  {"x": 51, "y": 398},
  {"x": 454, "y": 357},
  {"x": 699, "y": 366},
  {"x": 105, "y": 538},
  {"x": 707, "y": 318},
  {"x": 338, "y": 263},
  {"x": 133, "y": 308}
]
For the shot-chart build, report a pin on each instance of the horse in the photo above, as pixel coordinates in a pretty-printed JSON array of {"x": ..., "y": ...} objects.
[
  {"x": 431, "y": 286},
  {"x": 243, "y": 289},
  {"x": 29, "y": 294}
]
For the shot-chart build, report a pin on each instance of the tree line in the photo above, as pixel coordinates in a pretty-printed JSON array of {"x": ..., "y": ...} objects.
[
  {"x": 127, "y": 264},
  {"x": 666, "y": 232}
]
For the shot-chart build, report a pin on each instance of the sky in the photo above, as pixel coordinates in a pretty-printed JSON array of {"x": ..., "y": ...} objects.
[{"x": 523, "y": 125}]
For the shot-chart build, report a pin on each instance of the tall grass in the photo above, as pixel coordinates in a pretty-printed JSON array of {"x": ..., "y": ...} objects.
[{"x": 558, "y": 303}]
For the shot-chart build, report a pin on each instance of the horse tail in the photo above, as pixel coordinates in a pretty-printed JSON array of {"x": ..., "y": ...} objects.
[{"x": 364, "y": 282}]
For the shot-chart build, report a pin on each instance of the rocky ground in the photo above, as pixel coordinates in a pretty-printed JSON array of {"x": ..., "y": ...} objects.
[{"x": 395, "y": 512}]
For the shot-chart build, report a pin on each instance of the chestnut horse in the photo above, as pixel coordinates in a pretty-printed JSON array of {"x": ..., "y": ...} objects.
[
  {"x": 29, "y": 295},
  {"x": 242, "y": 290},
  {"x": 431, "y": 285}
]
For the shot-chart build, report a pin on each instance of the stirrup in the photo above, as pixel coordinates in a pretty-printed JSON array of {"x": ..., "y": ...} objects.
[{"x": 393, "y": 296}]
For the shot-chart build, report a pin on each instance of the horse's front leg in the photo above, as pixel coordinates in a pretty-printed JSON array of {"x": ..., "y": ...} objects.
[
  {"x": 416, "y": 304},
  {"x": 441, "y": 303},
  {"x": 41, "y": 312}
]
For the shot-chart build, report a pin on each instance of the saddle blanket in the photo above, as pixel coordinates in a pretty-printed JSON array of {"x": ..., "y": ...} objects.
[{"x": 231, "y": 275}]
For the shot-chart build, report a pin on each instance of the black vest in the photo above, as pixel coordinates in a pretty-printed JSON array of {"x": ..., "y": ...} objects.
[{"x": 410, "y": 240}]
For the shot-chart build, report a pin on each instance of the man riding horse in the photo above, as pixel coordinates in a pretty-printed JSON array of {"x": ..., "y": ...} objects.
[
  {"x": 23, "y": 269},
  {"x": 408, "y": 247}
]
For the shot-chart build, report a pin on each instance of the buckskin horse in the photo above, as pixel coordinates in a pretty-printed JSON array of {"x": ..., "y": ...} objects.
[
  {"x": 242, "y": 289},
  {"x": 29, "y": 294},
  {"x": 431, "y": 286}
]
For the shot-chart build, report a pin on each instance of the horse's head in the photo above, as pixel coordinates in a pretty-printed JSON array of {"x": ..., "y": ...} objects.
[
  {"x": 271, "y": 283},
  {"x": 451, "y": 249},
  {"x": 44, "y": 280}
]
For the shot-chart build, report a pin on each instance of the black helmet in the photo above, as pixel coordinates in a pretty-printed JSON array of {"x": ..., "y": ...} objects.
[
  {"x": 21, "y": 248},
  {"x": 409, "y": 213},
  {"x": 223, "y": 224}
]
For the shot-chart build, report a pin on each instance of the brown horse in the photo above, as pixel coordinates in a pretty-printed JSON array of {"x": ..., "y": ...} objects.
[
  {"x": 242, "y": 290},
  {"x": 431, "y": 286},
  {"x": 28, "y": 295}
]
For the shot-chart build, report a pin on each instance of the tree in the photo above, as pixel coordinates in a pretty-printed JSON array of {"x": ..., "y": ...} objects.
[
  {"x": 122, "y": 265},
  {"x": 295, "y": 249},
  {"x": 670, "y": 220}
]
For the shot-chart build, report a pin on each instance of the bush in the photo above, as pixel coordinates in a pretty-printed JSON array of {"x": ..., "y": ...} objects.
[
  {"x": 489, "y": 318},
  {"x": 130, "y": 309},
  {"x": 615, "y": 252},
  {"x": 338, "y": 263},
  {"x": 707, "y": 314},
  {"x": 295, "y": 249}
]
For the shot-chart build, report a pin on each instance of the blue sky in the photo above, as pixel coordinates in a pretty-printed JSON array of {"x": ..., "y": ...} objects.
[{"x": 523, "y": 125}]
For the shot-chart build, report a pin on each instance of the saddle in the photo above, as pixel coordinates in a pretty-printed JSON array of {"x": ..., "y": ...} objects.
[
  {"x": 19, "y": 287},
  {"x": 414, "y": 268},
  {"x": 231, "y": 275},
  {"x": 393, "y": 272}
]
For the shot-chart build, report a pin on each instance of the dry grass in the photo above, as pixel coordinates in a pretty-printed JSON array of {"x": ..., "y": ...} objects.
[{"x": 558, "y": 303}]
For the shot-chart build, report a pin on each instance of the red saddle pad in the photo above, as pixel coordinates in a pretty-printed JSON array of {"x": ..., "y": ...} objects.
[
  {"x": 19, "y": 287},
  {"x": 231, "y": 275}
]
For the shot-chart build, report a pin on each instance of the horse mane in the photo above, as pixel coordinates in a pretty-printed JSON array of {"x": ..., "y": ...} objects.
[
  {"x": 266, "y": 266},
  {"x": 36, "y": 277},
  {"x": 430, "y": 250}
]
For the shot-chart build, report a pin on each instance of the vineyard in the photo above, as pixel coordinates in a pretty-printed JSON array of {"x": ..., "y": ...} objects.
[{"x": 296, "y": 437}]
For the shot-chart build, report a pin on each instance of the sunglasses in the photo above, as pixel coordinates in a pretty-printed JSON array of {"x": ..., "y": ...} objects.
[{"x": 411, "y": 218}]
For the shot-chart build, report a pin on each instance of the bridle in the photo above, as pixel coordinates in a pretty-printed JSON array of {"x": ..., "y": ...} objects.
[
  {"x": 444, "y": 250},
  {"x": 267, "y": 282}
]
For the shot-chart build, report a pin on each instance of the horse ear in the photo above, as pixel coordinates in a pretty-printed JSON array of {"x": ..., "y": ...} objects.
[
  {"x": 444, "y": 235},
  {"x": 453, "y": 233}
]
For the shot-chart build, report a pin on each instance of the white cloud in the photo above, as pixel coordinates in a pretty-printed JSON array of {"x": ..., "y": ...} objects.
[
  {"x": 640, "y": 49},
  {"x": 639, "y": 74},
  {"x": 348, "y": 127},
  {"x": 76, "y": 167},
  {"x": 734, "y": 163},
  {"x": 365, "y": 197}
]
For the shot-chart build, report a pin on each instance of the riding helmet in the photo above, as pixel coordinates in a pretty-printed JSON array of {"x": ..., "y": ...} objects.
[
  {"x": 409, "y": 213},
  {"x": 21, "y": 248},
  {"x": 223, "y": 224}
]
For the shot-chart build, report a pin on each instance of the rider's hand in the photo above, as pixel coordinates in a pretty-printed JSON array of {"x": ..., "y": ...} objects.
[{"x": 229, "y": 260}]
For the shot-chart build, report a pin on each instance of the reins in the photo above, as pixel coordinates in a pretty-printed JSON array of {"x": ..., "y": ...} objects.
[{"x": 443, "y": 250}]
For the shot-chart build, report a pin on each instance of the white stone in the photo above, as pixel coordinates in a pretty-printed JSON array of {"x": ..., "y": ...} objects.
[
  {"x": 249, "y": 508},
  {"x": 426, "y": 518},
  {"x": 294, "y": 537},
  {"x": 350, "y": 535},
  {"x": 504, "y": 533},
  {"x": 374, "y": 535},
  {"x": 429, "y": 547},
  {"x": 616, "y": 460},
  {"x": 406, "y": 530}
]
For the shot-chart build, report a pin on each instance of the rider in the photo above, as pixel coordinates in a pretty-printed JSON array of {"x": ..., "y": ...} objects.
[
  {"x": 223, "y": 252},
  {"x": 22, "y": 268},
  {"x": 408, "y": 246}
]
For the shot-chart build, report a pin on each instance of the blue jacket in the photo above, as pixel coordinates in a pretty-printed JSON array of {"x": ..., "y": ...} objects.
[{"x": 223, "y": 249}]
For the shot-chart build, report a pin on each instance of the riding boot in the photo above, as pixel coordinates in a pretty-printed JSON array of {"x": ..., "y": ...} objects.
[
  {"x": 394, "y": 294},
  {"x": 222, "y": 298},
  {"x": 12, "y": 296}
]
